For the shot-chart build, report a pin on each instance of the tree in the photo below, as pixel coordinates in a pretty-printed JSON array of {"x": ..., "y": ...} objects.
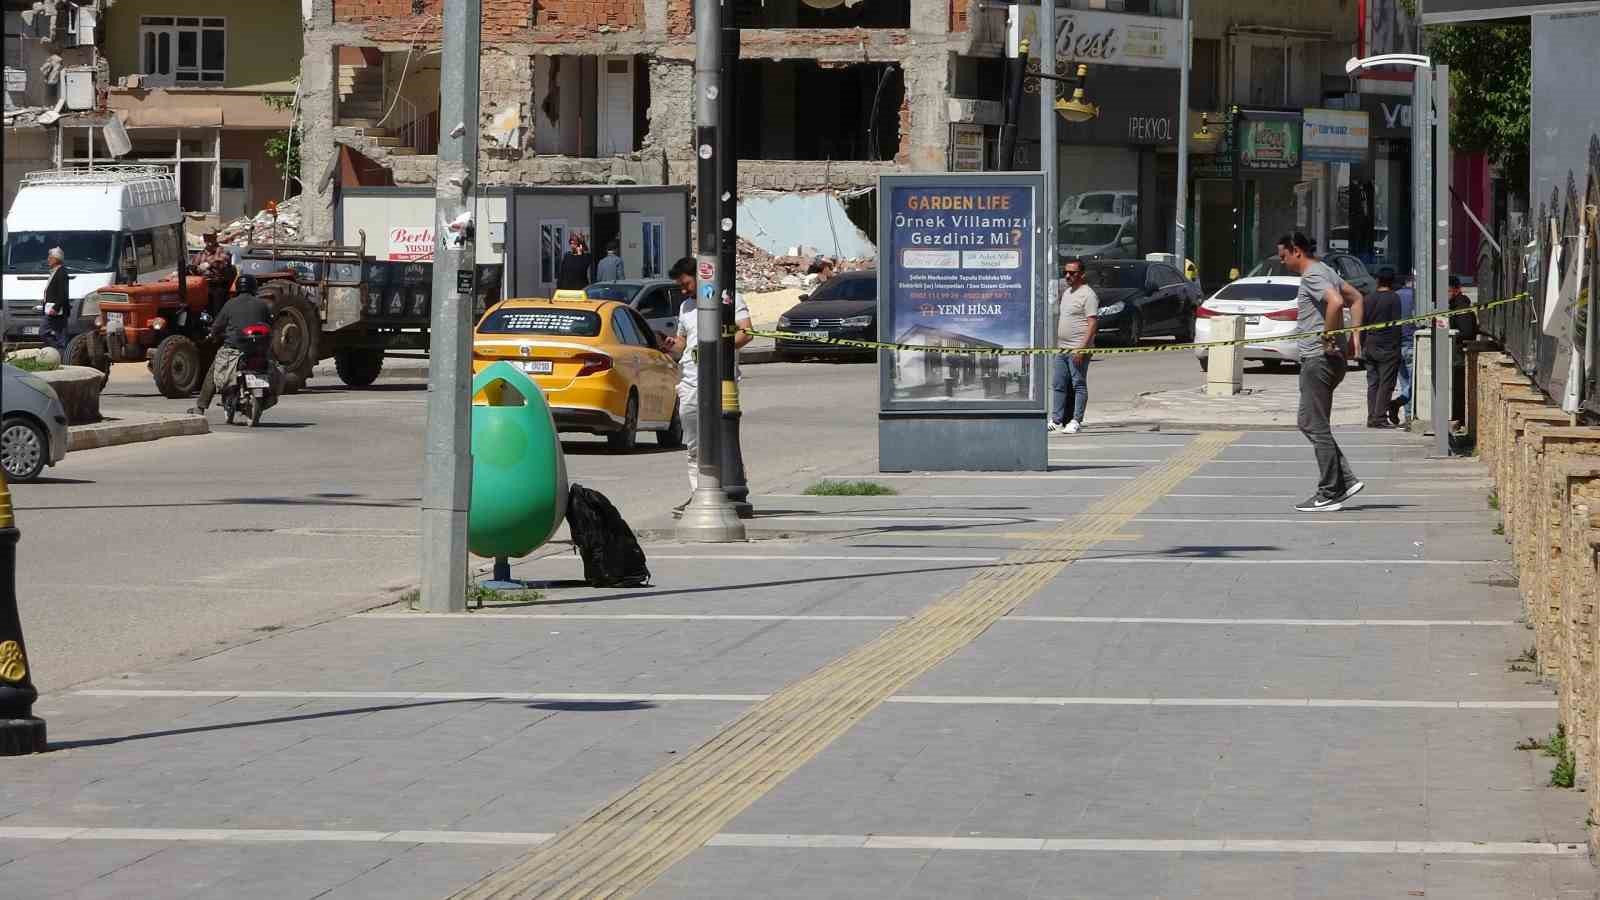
[
  {"x": 1491, "y": 77},
  {"x": 284, "y": 148}
]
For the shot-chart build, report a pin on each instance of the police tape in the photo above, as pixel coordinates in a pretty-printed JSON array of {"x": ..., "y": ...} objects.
[{"x": 856, "y": 344}]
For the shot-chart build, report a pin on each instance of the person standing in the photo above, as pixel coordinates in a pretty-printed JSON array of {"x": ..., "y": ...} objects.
[
  {"x": 685, "y": 345},
  {"x": 1381, "y": 351},
  {"x": 1408, "y": 349},
  {"x": 574, "y": 272},
  {"x": 1321, "y": 302},
  {"x": 610, "y": 268},
  {"x": 217, "y": 266},
  {"x": 57, "y": 302},
  {"x": 1077, "y": 320}
]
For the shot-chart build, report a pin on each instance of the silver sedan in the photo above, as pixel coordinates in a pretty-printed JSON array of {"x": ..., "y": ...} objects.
[{"x": 33, "y": 426}]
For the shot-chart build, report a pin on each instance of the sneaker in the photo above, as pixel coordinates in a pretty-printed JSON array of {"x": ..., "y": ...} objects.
[
  {"x": 1053, "y": 427},
  {"x": 1072, "y": 427},
  {"x": 1353, "y": 490},
  {"x": 1319, "y": 503},
  {"x": 196, "y": 411}
]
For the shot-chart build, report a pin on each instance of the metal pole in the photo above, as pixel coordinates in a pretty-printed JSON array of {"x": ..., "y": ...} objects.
[
  {"x": 447, "y": 473},
  {"x": 21, "y": 732},
  {"x": 1443, "y": 344},
  {"x": 1236, "y": 135},
  {"x": 710, "y": 517},
  {"x": 1180, "y": 225},
  {"x": 1016, "y": 83},
  {"x": 1046, "y": 42},
  {"x": 733, "y": 479}
]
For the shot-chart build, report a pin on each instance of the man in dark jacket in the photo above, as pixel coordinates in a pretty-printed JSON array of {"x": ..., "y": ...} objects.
[
  {"x": 244, "y": 309},
  {"x": 1381, "y": 351},
  {"x": 574, "y": 273},
  {"x": 57, "y": 303}
]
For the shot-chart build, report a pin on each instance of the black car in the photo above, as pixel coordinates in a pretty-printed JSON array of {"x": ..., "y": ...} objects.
[
  {"x": 1140, "y": 299},
  {"x": 845, "y": 306}
]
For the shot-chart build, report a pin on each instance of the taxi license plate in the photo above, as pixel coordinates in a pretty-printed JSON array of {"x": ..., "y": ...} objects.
[
  {"x": 254, "y": 381},
  {"x": 538, "y": 367},
  {"x": 113, "y": 322},
  {"x": 1252, "y": 320}
]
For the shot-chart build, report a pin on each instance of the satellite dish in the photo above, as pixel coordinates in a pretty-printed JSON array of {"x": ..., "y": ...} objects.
[{"x": 824, "y": 4}]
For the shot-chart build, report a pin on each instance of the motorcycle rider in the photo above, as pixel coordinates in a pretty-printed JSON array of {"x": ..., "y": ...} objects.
[{"x": 244, "y": 309}]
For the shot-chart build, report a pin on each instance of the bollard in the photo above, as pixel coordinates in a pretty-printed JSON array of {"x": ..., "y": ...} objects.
[
  {"x": 20, "y": 732},
  {"x": 1225, "y": 365}
]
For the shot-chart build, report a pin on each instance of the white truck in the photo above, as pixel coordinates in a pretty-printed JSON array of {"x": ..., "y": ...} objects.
[{"x": 115, "y": 224}]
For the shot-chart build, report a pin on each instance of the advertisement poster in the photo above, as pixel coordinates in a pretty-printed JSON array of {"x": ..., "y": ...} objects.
[
  {"x": 1335, "y": 135},
  {"x": 410, "y": 244},
  {"x": 961, "y": 276},
  {"x": 1270, "y": 144}
]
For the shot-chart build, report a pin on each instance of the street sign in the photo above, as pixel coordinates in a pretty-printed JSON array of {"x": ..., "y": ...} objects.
[
  {"x": 464, "y": 279},
  {"x": 960, "y": 272}
]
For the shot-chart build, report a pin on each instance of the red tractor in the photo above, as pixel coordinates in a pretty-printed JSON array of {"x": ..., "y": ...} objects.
[{"x": 167, "y": 323}]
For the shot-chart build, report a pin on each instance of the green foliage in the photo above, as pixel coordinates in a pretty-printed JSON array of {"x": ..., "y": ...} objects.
[
  {"x": 1566, "y": 768},
  {"x": 830, "y": 488},
  {"x": 284, "y": 148},
  {"x": 1491, "y": 77},
  {"x": 32, "y": 365}
]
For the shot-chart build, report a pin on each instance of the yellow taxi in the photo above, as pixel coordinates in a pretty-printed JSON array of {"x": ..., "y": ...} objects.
[{"x": 598, "y": 363}]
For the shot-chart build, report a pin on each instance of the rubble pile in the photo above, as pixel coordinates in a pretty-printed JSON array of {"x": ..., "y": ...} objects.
[
  {"x": 263, "y": 227},
  {"x": 760, "y": 271}
]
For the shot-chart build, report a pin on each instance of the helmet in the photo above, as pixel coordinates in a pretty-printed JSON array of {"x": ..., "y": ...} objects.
[{"x": 246, "y": 284}]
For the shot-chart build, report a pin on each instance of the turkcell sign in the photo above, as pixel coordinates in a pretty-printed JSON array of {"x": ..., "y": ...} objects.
[{"x": 959, "y": 277}]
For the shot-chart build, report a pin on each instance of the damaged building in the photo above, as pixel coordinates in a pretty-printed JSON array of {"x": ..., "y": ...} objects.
[{"x": 599, "y": 92}]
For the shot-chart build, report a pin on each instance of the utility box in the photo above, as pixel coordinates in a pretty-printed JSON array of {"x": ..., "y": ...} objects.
[
  {"x": 1225, "y": 365},
  {"x": 77, "y": 86}
]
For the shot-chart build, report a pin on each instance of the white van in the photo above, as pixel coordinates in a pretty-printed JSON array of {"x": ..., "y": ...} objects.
[{"x": 116, "y": 224}]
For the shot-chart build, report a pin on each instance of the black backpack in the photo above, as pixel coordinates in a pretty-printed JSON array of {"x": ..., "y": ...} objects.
[{"x": 611, "y": 554}]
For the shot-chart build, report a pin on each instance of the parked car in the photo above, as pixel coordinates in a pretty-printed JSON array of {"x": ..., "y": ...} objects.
[
  {"x": 1098, "y": 237},
  {"x": 33, "y": 425},
  {"x": 1268, "y": 304},
  {"x": 1140, "y": 299},
  {"x": 1349, "y": 267},
  {"x": 657, "y": 299},
  {"x": 845, "y": 306},
  {"x": 600, "y": 367}
]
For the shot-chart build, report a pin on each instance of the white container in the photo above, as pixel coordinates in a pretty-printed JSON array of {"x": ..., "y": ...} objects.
[{"x": 77, "y": 85}]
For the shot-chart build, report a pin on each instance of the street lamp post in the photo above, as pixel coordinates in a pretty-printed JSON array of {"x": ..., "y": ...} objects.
[{"x": 732, "y": 456}]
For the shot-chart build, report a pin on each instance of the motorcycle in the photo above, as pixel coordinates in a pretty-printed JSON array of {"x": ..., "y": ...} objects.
[{"x": 255, "y": 386}]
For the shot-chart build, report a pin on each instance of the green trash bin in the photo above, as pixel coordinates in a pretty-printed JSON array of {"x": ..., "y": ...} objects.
[{"x": 519, "y": 473}]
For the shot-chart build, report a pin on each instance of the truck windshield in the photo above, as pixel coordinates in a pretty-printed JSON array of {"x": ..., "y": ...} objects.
[{"x": 86, "y": 251}]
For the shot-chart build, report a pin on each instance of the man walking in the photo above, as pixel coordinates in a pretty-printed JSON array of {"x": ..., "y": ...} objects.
[
  {"x": 57, "y": 303},
  {"x": 685, "y": 345},
  {"x": 1321, "y": 301},
  {"x": 1381, "y": 351},
  {"x": 610, "y": 268},
  {"x": 1076, "y": 322}
]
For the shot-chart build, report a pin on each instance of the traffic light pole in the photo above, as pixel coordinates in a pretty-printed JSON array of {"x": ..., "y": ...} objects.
[
  {"x": 733, "y": 477},
  {"x": 709, "y": 517},
  {"x": 447, "y": 443}
]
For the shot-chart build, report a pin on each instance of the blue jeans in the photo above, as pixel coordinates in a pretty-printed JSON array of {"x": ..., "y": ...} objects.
[
  {"x": 1408, "y": 354},
  {"x": 1071, "y": 373}
]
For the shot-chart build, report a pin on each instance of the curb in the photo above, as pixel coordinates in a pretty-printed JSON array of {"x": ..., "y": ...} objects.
[{"x": 112, "y": 433}]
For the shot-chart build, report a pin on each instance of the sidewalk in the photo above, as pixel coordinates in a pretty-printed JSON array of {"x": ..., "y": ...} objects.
[{"x": 1138, "y": 675}]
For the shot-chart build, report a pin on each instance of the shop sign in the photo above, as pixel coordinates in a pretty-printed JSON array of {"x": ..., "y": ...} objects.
[
  {"x": 966, "y": 148},
  {"x": 1088, "y": 36},
  {"x": 1388, "y": 116},
  {"x": 1270, "y": 144},
  {"x": 410, "y": 244},
  {"x": 1335, "y": 135}
]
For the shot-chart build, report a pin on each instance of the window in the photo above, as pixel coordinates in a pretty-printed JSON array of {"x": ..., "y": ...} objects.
[
  {"x": 645, "y": 333},
  {"x": 535, "y": 320},
  {"x": 166, "y": 253},
  {"x": 552, "y": 243},
  {"x": 843, "y": 287},
  {"x": 627, "y": 332},
  {"x": 656, "y": 305},
  {"x": 145, "y": 247},
  {"x": 652, "y": 230},
  {"x": 85, "y": 251},
  {"x": 183, "y": 49}
]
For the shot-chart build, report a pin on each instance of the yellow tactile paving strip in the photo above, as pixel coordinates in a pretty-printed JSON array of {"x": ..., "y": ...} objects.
[{"x": 623, "y": 847}]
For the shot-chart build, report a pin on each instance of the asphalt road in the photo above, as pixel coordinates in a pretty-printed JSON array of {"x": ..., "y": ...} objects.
[{"x": 137, "y": 554}]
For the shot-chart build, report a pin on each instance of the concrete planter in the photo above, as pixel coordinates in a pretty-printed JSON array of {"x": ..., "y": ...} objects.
[{"x": 79, "y": 389}]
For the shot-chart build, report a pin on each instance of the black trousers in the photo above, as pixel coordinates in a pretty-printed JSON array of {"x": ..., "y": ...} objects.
[
  {"x": 54, "y": 332},
  {"x": 1383, "y": 370}
]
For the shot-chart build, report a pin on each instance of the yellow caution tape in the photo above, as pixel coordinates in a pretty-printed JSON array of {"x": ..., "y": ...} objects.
[{"x": 1101, "y": 351}]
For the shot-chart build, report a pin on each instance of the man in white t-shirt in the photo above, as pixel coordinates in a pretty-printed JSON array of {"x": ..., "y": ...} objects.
[{"x": 685, "y": 345}]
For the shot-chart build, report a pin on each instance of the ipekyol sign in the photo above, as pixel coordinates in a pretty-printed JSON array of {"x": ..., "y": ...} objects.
[
  {"x": 961, "y": 276},
  {"x": 410, "y": 244}
]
